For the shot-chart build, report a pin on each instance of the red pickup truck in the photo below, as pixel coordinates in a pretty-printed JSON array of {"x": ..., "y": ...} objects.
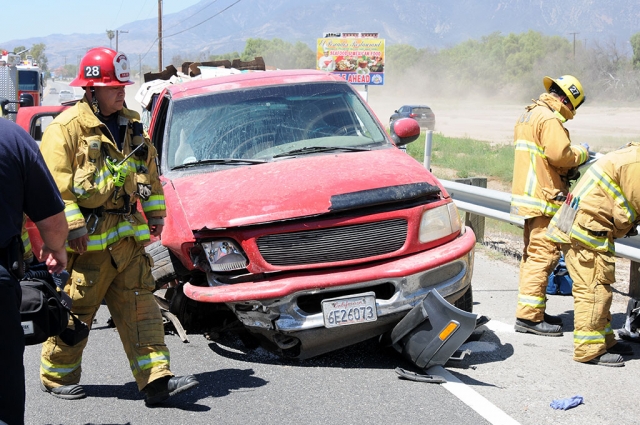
[{"x": 292, "y": 214}]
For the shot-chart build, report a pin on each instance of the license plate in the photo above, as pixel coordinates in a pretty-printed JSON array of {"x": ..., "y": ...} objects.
[{"x": 349, "y": 310}]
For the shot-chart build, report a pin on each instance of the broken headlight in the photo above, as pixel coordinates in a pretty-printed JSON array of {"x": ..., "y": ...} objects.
[{"x": 224, "y": 256}]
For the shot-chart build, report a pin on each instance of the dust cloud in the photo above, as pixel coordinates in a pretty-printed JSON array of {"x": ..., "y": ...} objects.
[{"x": 487, "y": 116}]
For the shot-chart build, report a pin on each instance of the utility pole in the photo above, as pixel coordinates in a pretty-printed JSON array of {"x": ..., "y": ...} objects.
[
  {"x": 117, "y": 32},
  {"x": 574, "y": 44},
  {"x": 159, "y": 35}
]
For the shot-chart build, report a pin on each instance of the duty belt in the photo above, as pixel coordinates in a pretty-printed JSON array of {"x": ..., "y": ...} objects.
[
  {"x": 98, "y": 212},
  {"x": 91, "y": 215}
]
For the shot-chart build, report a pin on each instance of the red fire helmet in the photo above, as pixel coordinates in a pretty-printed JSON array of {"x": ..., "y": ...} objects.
[{"x": 102, "y": 66}]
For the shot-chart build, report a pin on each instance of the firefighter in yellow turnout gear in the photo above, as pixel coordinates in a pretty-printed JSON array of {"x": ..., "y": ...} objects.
[
  {"x": 608, "y": 204},
  {"x": 543, "y": 164},
  {"x": 107, "y": 179}
]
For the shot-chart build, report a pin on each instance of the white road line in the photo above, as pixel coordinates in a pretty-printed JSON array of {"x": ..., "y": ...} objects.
[
  {"x": 468, "y": 396},
  {"x": 496, "y": 326}
]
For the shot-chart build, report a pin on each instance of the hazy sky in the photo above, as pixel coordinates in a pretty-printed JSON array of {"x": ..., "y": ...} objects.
[{"x": 38, "y": 18}]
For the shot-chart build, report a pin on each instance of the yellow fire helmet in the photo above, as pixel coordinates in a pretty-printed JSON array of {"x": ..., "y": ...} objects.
[{"x": 570, "y": 86}]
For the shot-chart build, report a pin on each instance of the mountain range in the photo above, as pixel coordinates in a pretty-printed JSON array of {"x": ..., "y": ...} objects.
[{"x": 223, "y": 26}]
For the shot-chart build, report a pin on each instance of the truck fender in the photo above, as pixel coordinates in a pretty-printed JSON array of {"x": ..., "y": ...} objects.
[{"x": 432, "y": 331}]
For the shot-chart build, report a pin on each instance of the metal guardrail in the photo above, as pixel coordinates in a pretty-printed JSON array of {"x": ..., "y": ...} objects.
[{"x": 495, "y": 204}]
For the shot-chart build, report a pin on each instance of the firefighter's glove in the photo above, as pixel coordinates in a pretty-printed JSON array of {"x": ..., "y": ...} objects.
[
  {"x": 144, "y": 191},
  {"x": 119, "y": 171}
]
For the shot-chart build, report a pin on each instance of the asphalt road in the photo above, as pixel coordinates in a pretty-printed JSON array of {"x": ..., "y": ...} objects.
[
  {"x": 507, "y": 378},
  {"x": 352, "y": 386}
]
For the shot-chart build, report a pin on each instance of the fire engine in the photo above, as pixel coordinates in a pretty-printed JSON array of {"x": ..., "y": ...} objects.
[
  {"x": 31, "y": 80},
  {"x": 9, "y": 98}
]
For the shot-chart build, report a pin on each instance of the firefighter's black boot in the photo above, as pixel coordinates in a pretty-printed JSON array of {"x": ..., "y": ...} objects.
[
  {"x": 608, "y": 359},
  {"x": 67, "y": 392},
  {"x": 552, "y": 320},
  {"x": 539, "y": 328},
  {"x": 162, "y": 388},
  {"x": 620, "y": 348}
]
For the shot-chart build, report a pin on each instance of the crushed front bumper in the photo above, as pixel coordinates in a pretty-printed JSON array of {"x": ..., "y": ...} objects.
[{"x": 292, "y": 303}]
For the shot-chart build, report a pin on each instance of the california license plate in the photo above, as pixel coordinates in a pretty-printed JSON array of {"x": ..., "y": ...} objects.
[{"x": 349, "y": 310}]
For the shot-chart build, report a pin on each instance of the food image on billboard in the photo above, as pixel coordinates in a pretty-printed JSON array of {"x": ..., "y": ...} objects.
[{"x": 357, "y": 60}]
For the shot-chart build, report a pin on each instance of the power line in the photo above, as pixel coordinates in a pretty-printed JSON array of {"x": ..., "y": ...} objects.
[
  {"x": 157, "y": 38},
  {"x": 208, "y": 19},
  {"x": 141, "y": 9},
  {"x": 118, "y": 14},
  {"x": 191, "y": 16}
]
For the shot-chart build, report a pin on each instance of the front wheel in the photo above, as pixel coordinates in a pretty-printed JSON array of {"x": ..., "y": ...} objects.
[
  {"x": 465, "y": 302},
  {"x": 166, "y": 267}
]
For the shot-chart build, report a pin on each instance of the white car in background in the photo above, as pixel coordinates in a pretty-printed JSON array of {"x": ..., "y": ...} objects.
[{"x": 65, "y": 96}]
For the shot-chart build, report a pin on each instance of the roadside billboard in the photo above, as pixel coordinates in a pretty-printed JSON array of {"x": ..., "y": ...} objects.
[{"x": 356, "y": 57}]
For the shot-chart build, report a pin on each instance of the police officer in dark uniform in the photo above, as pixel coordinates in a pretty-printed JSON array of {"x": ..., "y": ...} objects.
[{"x": 26, "y": 186}]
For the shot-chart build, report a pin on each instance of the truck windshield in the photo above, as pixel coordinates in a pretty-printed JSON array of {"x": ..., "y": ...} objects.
[
  {"x": 270, "y": 122},
  {"x": 28, "y": 80}
]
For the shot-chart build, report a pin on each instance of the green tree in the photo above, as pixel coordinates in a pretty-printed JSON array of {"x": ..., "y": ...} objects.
[
  {"x": 401, "y": 57},
  {"x": 279, "y": 53},
  {"x": 111, "y": 35},
  {"x": 305, "y": 58},
  {"x": 224, "y": 56},
  {"x": 635, "y": 45},
  {"x": 66, "y": 71},
  {"x": 20, "y": 49},
  {"x": 37, "y": 51}
]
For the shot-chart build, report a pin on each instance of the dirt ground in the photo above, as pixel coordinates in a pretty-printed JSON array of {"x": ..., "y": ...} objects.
[{"x": 604, "y": 128}]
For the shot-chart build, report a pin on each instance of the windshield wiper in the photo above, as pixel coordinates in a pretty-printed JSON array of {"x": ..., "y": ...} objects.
[
  {"x": 315, "y": 149},
  {"x": 225, "y": 161}
]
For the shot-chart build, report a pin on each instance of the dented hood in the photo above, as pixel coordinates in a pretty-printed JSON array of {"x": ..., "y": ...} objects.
[{"x": 290, "y": 188}]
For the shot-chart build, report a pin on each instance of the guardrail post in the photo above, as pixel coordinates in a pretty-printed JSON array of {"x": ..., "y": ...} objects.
[
  {"x": 475, "y": 221},
  {"x": 428, "y": 143}
]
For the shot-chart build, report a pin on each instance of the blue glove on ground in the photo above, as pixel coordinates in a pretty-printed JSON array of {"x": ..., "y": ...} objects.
[{"x": 567, "y": 403}]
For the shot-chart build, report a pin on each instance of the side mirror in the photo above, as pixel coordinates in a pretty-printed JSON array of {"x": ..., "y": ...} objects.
[
  {"x": 3, "y": 105},
  {"x": 26, "y": 99},
  {"x": 404, "y": 131}
]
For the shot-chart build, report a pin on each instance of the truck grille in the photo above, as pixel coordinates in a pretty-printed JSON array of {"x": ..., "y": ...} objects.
[{"x": 334, "y": 244}]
